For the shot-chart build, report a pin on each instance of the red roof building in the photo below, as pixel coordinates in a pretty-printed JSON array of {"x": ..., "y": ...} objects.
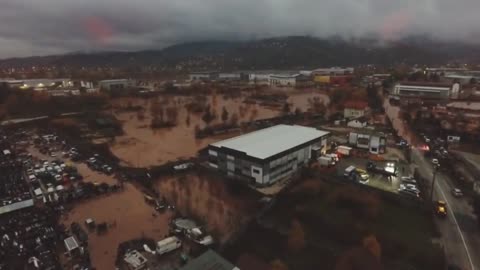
[{"x": 355, "y": 109}]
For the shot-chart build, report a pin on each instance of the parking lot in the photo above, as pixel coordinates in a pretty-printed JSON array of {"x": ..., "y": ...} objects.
[{"x": 376, "y": 179}]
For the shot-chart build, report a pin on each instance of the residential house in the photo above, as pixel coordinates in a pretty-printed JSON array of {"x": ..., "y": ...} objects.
[{"x": 355, "y": 109}]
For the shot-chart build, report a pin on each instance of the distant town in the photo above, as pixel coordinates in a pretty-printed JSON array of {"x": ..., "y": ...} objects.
[{"x": 362, "y": 167}]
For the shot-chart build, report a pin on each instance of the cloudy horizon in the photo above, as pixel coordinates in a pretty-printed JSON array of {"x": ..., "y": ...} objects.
[{"x": 29, "y": 27}]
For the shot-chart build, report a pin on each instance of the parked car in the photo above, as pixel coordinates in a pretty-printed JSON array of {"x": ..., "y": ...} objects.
[
  {"x": 457, "y": 192},
  {"x": 168, "y": 244},
  {"x": 435, "y": 161},
  {"x": 199, "y": 236},
  {"x": 183, "y": 166},
  {"x": 409, "y": 193},
  {"x": 408, "y": 180}
]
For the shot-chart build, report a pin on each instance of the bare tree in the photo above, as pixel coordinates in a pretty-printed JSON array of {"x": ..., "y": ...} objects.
[
  {"x": 224, "y": 114},
  {"x": 234, "y": 119},
  {"x": 187, "y": 121},
  {"x": 172, "y": 115},
  {"x": 296, "y": 237}
]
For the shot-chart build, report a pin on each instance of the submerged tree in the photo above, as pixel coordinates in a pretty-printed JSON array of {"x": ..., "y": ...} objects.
[
  {"x": 224, "y": 114},
  {"x": 296, "y": 237}
]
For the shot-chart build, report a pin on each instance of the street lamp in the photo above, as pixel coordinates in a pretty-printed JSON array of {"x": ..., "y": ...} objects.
[{"x": 435, "y": 169}]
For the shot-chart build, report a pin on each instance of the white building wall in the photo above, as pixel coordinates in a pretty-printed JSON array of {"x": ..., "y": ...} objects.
[
  {"x": 282, "y": 81},
  {"x": 257, "y": 173}
]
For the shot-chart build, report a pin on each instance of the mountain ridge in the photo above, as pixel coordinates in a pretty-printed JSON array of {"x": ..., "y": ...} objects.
[{"x": 287, "y": 52}]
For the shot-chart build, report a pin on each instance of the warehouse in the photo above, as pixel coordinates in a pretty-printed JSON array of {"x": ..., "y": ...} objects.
[
  {"x": 265, "y": 156},
  {"x": 112, "y": 85},
  {"x": 427, "y": 90}
]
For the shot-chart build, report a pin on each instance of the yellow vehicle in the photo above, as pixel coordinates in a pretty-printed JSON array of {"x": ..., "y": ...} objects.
[
  {"x": 441, "y": 208},
  {"x": 360, "y": 171}
]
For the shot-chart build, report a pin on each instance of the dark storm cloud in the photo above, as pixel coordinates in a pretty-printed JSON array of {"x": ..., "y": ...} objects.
[{"x": 30, "y": 27}]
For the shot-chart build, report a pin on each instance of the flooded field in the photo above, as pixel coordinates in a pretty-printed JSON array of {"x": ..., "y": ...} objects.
[
  {"x": 208, "y": 200},
  {"x": 141, "y": 146},
  {"x": 92, "y": 176},
  {"x": 127, "y": 216}
]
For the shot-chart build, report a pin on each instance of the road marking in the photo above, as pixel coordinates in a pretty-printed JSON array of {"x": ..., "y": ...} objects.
[{"x": 458, "y": 227}]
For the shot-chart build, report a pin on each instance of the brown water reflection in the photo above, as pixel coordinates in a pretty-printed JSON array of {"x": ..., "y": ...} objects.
[
  {"x": 128, "y": 217},
  {"x": 142, "y": 146},
  {"x": 207, "y": 200}
]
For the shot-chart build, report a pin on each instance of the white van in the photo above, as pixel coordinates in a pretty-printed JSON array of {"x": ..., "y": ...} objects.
[
  {"x": 168, "y": 244},
  {"x": 348, "y": 171}
]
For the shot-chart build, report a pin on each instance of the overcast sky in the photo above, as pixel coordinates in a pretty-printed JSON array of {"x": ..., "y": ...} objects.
[{"x": 40, "y": 27}]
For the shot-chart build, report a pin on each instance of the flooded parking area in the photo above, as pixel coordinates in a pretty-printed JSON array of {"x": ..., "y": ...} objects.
[
  {"x": 142, "y": 146},
  {"x": 208, "y": 199},
  {"x": 127, "y": 216}
]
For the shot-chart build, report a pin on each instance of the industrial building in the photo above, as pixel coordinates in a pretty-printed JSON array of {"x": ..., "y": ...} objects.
[
  {"x": 115, "y": 85},
  {"x": 265, "y": 156},
  {"x": 375, "y": 143},
  {"x": 203, "y": 76},
  {"x": 259, "y": 78},
  {"x": 427, "y": 90},
  {"x": 288, "y": 79},
  {"x": 333, "y": 71},
  {"x": 225, "y": 76}
]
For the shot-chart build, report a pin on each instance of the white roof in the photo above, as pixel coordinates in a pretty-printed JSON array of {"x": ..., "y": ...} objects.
[
  {"x": 114, "y": 81},
  {"x": 167, "y": 241},
  {"x": 70, "y": 243},
  {"x": 135, "y": 259},
  {"x": 270, "y": 141}
]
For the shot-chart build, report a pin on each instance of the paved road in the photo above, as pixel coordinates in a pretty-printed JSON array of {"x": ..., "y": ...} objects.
[{"x": 460, "y": 235}]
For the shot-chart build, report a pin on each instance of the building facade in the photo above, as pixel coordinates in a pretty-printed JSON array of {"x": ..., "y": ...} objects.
[
  {"x": 333, "y": 71},
  {"x": 114, "y": 85},
  {"x": 375, "y": 143},
  {"x": 288, "y": 80},
  {"x": 427, "y": 90},
  {"x": 203, "y": 76},
  {"x": 355, "y": 109},
  {"x": 265, "y": 156}
]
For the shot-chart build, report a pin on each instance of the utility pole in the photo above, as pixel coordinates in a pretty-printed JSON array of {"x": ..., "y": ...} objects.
[{"x": 435, "y": 168}]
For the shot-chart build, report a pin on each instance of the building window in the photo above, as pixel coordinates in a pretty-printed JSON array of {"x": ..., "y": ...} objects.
[{"x": 256, "y": 171}]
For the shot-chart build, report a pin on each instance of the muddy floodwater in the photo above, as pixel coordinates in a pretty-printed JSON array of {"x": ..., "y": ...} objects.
[
  {"x": 142, "y": 147},
  {"x": 128, "y": 217},
  {"x": 207, "y": 199}
]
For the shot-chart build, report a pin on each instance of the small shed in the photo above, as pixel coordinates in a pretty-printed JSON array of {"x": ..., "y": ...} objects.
[
  {"x": 71, "y": 245},
  {"x": 135, "y": 260}
]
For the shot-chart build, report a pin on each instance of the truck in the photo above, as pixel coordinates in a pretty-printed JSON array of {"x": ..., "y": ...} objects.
[
  {"x": 199, "y": 236},
  {"x": 349, "y": 170},
  {"x": 344, "y": 150},
  {"x": 168, "y": 244},
  {"x": 325, "y": 161},
  {"x": 371, "y": 167}
]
